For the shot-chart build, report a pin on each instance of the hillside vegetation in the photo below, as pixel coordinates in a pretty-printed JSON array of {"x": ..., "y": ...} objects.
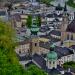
[{"x": 9, "y": 64}]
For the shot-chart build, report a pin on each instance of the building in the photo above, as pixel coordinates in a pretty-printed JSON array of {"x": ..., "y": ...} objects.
[
  {"x": 34, "y": 36},
  {"x": 68, "y": 31},
  {"x": 19, "y": 20},
  {"x": 4, "y": 14},
  {"x": 42, "y": 51},
  {"x": 55, "y": 18},
  {"x": 52, "y": 63},
  {"x": 23, "y": 48}
]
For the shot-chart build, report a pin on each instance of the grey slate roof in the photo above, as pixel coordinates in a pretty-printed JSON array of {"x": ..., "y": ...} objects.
[
  {"x": 45, "y": 45},
  {"x": 54, "y": 15},
  {"x": 40, "y": 61},
  {"x": 54, "y": 32},
  {"x": 50, "y": 15},
  {"x": 23, "y": 58},
  {"x": 63, "y": 51},
  {"x": 44, "y": 29},
  {"x": 72, "y": 47},
  {"x": 24, "y": 42},
  {"x": 60, "y": 68},
  {"x": 68, "y": 73}
]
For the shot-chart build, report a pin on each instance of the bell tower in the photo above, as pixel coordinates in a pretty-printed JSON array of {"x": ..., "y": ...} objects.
[
  {"x": 65, "y": 23},
  {"x": 34, "y": 36}
]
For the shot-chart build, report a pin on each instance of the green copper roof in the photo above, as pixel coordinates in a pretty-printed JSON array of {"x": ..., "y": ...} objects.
[
  {"x": 34, "y": 28},
  {"x": 52, "y": 46},
  {"x": 52, "y": 56}
]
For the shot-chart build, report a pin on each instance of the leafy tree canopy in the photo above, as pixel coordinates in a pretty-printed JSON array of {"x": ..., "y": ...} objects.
[
  {"x": 29, "y": 21},
  {"x": 71, "y": 3},
  {"x": 9, "y": 64},
  {"x": 70, "y": 64}
]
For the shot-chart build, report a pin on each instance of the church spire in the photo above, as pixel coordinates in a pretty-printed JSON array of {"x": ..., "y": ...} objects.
[{"x": 65, "y": 7}]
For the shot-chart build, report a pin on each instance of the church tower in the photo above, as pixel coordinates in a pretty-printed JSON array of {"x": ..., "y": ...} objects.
[
  {"x": 52, "y": 58},
  {"x": 34, "y": 36},
  {"x": 65, "y": 23}
]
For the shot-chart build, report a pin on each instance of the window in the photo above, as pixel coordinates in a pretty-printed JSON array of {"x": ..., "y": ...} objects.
[
  {"x": 49, "y": 62},
  {"x": 23, "y": 24},
  {"x": 61, "y": 42},
  {"x": 71, "y": 37},
  {"x": 19, "y": 52},
  {"x": 53, "y": 62},
  {"x": 35, "y": 44},
  {"x": 67, "y": 36}
]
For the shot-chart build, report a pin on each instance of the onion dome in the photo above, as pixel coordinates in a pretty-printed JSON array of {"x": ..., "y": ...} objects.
[
  {"x": 52, "y": 55},
  {"x": 34, "y": 28}
]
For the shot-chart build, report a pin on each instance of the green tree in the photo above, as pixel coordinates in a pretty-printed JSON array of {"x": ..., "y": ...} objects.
[
  {"x": 71, "y": 3},
  {"x": 70, "y": 64},
  {"x": 29, "y": 21},
  {"x": 9, "y": 64},
  {"x": 38, "y": 21},
  {"x": 34, "y": 70}
]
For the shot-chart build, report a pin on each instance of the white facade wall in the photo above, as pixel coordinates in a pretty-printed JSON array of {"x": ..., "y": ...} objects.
[
  {"x": 65, "y": 59},
  {"x": 23, "y": 48}
]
